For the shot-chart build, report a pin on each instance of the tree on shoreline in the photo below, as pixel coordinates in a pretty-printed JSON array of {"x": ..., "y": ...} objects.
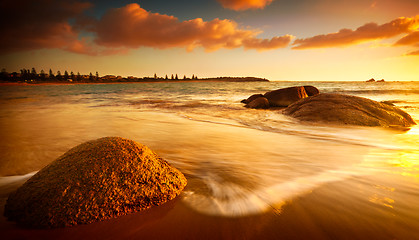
[
  {"x": 51, "y": 74},
  {"x": 42, "y": 75},
  {"x": 66, "y": 75},
  {"x": 33, "y": 74},
  {"x": 58, "y": 76},
  {"x": 3, "y": 74}
]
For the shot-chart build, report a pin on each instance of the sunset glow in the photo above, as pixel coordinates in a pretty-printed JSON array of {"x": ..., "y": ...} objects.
[{"x": 273, "y": 39}]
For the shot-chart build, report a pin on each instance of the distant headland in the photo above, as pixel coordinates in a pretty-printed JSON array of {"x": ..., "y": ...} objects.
[{"x": 32, "y": 77}]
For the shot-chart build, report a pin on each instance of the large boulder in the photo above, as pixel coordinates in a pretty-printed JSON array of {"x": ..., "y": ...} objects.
[
  {"x": 345, "y": 109},
  {"x": 96, "y": 180},
  {"x": 311, "y": 90},
  {"x": 285, "y": 96},
  {"x": 258, "y": 103},
  {"x": 251, "y": 98}
]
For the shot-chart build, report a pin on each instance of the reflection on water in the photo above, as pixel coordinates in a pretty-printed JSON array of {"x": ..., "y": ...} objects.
[{"x": 251, "y": 173}]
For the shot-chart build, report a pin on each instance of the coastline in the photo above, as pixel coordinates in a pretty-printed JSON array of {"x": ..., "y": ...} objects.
[
  {"x": 97, "y": 83},
  {"x": 144, "y": 80}
]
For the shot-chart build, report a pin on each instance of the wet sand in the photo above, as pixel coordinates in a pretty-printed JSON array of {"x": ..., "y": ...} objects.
[
  {"x": 302, "y": 218},
  {"x": 255, "y": 175}
]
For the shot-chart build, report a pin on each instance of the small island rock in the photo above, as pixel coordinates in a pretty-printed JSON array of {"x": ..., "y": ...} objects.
[
  {"x": 285, "y": 96},
  {"x": 345, "y": 109},
  {"x": 258, "y": 103},
  {"x": 93, "y": 181}
]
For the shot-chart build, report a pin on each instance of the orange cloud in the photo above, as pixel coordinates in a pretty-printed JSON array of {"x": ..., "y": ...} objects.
[
  {"x": 367, "y": 32},
  {"x": 39, "y": 24},
  {"x": 133, "y": 27},
  {"x": 267, "y": 44},
  {"x": 415, "y": 53},
  {"x": 240, "y": 5},
  {"x": 410, "y": 39}
]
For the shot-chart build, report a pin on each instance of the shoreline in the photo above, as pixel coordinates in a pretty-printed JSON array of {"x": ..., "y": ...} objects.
[{"x": 96, "y": 83}]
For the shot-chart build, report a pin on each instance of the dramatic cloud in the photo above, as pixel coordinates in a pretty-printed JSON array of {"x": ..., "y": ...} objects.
[
  {"x": 367, "y": 32},
  {"x": 240, "y": 5},
  {"x": 29, "y": 25},
  {"x": 133, "y": 27}
]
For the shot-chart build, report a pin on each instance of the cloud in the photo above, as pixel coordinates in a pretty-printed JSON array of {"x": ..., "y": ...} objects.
[
  {"x": 39, "y": 24},
  {"x": 414, "y": 53},
  {"x": 267, "y": 44},
  {"x": 240, "y": 5},
  {"x": 410, "y": 39},
  {"x": 45, "y": 24},
  {"x": 367, "y": 32},
  {"x": 133, "y": 27}
]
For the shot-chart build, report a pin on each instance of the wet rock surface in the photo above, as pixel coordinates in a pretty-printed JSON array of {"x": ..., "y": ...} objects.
[
  {"x": 281, "y": 98},
  {"x": 346, "y": 109},
  {"x": 285, "y": 96}
]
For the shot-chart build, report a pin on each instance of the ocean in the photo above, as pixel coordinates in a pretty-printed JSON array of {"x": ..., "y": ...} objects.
[{"x": 252, "y": 174}]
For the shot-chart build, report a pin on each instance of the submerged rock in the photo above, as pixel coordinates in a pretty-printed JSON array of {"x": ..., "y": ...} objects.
[
  {"x": 345, "y": 109},
  {"x": 96, "y": 180},
  {"x": 285, "y": 96},
  {"x": 251, "y": 98},
  {"x": 258, "y": 103}
]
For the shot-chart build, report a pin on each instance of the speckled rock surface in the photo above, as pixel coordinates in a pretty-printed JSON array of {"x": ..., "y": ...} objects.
[{"x": 93, "y": 181}]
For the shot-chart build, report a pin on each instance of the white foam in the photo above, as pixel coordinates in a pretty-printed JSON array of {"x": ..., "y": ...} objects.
[
  {"x": 13, "y": 179},
  {"x": 232, "y": 200}
]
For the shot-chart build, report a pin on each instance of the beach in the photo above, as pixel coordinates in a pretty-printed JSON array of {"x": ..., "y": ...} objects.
[{"x": 252, "y": 174}]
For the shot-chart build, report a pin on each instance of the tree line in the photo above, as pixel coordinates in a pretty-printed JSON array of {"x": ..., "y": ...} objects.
[
  {"x": 194, "y": 77},
  {"x": 32, "y": 76},
  {"x": 26, "y": 75}
]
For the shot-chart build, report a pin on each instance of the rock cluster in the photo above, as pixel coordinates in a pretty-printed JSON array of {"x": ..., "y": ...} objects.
[
  {"x": 307, "y": 104},
  {"x": 280, "y": 97},
  {"x": 346, "y": 109},
  {"x": 96, "y": 180}
]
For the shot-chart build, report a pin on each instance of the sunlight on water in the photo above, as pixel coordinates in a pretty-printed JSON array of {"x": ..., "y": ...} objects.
[{"x": 239, "y": 162}]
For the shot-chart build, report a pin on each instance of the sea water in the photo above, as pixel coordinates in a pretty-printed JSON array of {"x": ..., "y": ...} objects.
[{"x": 251, "y": 173}]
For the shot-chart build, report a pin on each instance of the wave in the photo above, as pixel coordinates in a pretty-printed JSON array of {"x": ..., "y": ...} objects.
[
  {"x": 283, "y": 125},
  {"x": 7, "y": 180},
  {"x": 233, "y": 200}
]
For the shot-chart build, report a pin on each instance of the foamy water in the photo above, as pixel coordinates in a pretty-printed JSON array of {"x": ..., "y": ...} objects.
[{"x": 239, "y": 162}]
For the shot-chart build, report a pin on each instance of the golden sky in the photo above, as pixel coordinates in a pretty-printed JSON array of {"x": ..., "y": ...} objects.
[{"x": 275, "y": 39}]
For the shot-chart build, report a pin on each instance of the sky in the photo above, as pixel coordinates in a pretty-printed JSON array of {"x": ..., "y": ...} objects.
[{"x": 296, "y": 40}]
